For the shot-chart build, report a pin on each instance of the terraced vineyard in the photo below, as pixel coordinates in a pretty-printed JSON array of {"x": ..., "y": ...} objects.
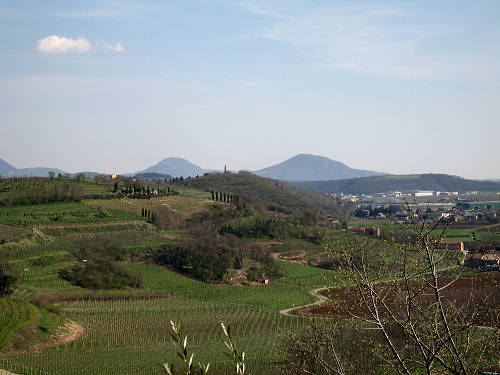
[
  {"x": 59, "y": 213},
  {"x": 14, "y": 314},
  {"x": 10, "y": 233},
  {"x": 185, "y": 205}
]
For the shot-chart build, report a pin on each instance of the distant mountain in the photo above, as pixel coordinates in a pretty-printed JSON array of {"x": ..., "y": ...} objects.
[
  {"x": 176, "y": 167},
  {"x": 35, "y": 172},
  {"x": 403, "y": 183},
  {"x": 304, "y": 167},
  {"x": 5, "y": 168}
]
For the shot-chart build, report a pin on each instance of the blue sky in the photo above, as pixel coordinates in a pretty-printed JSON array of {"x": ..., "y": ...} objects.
[{"x": 116, "y": 86}]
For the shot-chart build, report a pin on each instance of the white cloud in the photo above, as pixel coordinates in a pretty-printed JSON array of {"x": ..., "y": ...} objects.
[
  {"x": 116, "y": 48},
  {"x": 61, "y": 44}
]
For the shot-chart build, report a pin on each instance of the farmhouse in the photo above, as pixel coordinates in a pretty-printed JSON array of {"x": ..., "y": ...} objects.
[
  {"x": 488, "y": 262},
  {"x": 451, "y": 246}
]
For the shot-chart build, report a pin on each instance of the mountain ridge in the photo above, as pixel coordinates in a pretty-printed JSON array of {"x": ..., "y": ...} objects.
[{"x": 403, "y": 183}]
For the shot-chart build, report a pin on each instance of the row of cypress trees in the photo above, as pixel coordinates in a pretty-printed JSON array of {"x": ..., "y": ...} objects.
[
  {"x": 148, "y": 214},
  {"x": 225, "y": 197}
]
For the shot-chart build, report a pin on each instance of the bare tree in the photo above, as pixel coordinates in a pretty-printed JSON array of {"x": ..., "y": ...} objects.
[{"x": 424, "y": 316}]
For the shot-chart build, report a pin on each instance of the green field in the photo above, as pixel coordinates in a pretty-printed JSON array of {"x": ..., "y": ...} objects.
[{"x": 454, "y": 232}]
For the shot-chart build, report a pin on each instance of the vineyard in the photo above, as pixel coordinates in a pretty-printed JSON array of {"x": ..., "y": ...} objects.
[
  {"x": 125, "y": 330},
  {"x": 59, "y": 213},
  {"x": 9, "y": 233},
  {"x": 186, "y": 206},
  {"x": 132, "y": 337},
  {"x": 14, "y": 314}
]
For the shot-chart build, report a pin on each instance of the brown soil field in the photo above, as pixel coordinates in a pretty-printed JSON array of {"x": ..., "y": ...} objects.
[{"x": 481, "y": 291}]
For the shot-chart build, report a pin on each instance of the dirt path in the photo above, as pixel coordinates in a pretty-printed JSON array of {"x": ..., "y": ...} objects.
[
  {"x": 68, "y": 332},
  {"x": 321, "y": 298},
  {"x": 3, "y": 372},
  {"x": 314, "y": 293}
]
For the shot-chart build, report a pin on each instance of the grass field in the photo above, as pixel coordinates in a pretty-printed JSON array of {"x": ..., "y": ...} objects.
[{"x": 491, "y": 237}]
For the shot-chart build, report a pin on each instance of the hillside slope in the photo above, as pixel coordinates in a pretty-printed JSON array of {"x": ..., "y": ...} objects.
[
  {"x": 304, "y": 167},
  {"x": 404, "y": 183},
  {"x": 277, "y": 195}
]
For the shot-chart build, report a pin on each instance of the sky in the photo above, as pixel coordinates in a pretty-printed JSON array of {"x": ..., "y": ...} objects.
[{"x": 116, "y": 86}]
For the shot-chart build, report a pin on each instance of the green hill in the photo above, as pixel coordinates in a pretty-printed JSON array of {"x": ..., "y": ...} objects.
[
  {"x": 403, "y": 183},
  {"x": 277, "y": 195}
]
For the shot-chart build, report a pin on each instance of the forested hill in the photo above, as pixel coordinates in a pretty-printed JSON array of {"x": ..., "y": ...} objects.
[
  {"x": 277, "y": 195},
  {"x": 403, "y": 183}
]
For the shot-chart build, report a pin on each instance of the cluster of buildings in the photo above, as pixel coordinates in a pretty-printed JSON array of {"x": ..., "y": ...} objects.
[
  {"x": 399, "y": 194},
  {"x": 468, "y": 215},
  {"x": 486, "y": 262}
]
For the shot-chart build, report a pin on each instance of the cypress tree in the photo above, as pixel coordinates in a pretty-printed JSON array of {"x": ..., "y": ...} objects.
[{"x": 213, "y": 198}]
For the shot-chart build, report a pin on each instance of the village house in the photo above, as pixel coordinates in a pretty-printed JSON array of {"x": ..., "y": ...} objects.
[
  {"x": 451, "y": 246},
  {"x": 109, "y": 176},
  {"x": 487, "y": 262}
]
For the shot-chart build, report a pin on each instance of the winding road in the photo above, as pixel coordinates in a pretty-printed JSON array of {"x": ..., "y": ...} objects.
[{"x": 314, "y": 293}]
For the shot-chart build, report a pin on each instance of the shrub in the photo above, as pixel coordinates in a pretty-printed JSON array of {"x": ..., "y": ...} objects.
[
  {"x": 8, "y": 279},
  {"x": 101, "y": 273}
]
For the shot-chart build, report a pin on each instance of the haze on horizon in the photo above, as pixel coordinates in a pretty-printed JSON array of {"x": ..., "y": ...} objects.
[{"x": 403, "y": 87}]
